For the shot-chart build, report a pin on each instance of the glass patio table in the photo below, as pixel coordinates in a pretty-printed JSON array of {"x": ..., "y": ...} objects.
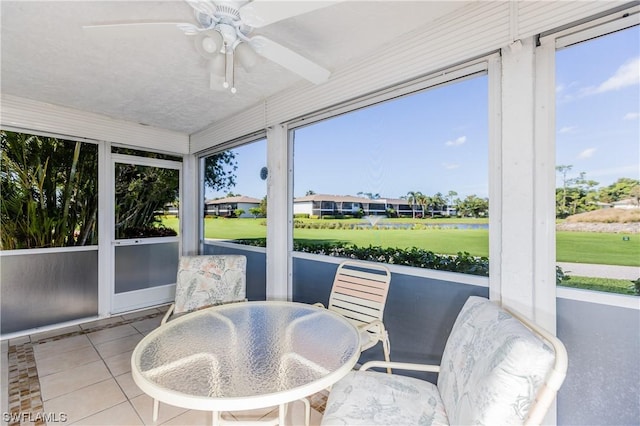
[{"x": 246, "y": 355}]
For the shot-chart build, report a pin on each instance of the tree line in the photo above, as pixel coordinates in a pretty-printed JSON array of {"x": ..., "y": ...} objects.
[
  {"x": 579, "y": 194},
  {"x": 49, "y": 192}
]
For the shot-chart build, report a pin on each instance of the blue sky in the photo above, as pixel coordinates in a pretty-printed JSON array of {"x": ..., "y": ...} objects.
[
  {"x": 437, "y": 141},
  {"x": 598, "y": 106}
]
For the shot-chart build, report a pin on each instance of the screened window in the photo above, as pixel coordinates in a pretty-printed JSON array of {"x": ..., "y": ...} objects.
[
  {"x": 49, "y": 192},
  {"x": 404, "y": 174},
  {"x": 235, "y": 195},
  {"x": 598, "y": 156}
]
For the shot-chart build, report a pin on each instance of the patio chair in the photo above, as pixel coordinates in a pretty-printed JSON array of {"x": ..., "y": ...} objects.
[
  {"x": 359, "y": 293},
  {"x": 497, "y": 369},
  {"x": 208, "y": 280},
  {"x": 204, "y": 281}
]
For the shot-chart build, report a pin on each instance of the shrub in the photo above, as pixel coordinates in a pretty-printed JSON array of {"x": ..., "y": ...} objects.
[
  {"x": 301, "y": 216},
  {"x": 463, "y": 262}
]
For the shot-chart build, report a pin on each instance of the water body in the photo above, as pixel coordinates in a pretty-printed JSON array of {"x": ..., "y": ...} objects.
[{"x": 427, "y": 226}]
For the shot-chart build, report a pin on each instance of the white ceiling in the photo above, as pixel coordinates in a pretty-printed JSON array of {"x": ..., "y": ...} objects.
[{"x": 156, "y": 77}]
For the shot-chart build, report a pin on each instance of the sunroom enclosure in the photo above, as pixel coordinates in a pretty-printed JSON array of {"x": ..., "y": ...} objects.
[{"x": 514, "y": 45}]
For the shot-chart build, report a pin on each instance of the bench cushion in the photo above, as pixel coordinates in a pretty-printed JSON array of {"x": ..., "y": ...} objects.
[
  {"x": 492, "y": 366},
  {"x": 371, "y": 398}
]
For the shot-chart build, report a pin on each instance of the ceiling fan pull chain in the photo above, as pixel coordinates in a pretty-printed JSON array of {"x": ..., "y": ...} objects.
[
  {"x": 226, "y": 81},
  {"x": 233, "y": 74}
]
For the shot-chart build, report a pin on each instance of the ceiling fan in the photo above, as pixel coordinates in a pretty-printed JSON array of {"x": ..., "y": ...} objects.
[{"x": 222, "y": 35}]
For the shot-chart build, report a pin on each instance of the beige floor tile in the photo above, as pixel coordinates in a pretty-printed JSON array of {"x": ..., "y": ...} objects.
[
  {"x": 190, "y": 418},
  {"x": 64, "y": 361},
  {"x": 19, "y": 340},
  {"x": 53, "y": 333},
  {"x": 296, "y": 415},
  {"x": 138, "y": 314},
  {"x": 113, "y": 333},
  {"x": 148, "y": 324},
  {"x": 68, "y": 344},
  {"x": 101, "y": 322},
  {"x": 128, "y": 386},
  {"x": 118, "y": 346},
  {"x": 119, "y": 364},
  {"x": 144, "y": 406},
  {"x": 87, "y": 401},
  {"x": 64, "y": 382},
  {"x": 251, "y": 415},
  {"x": 122, "y": 414}
]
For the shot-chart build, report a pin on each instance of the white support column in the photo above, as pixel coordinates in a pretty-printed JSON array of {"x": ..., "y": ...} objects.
[
  {"x": 105, "y": 229},
  {"x": 190, "y": 206},
  {"x": 278, "y": 214},
  {"x": 545, "y": 187},
  {"x": 517, "y": 251},
  {"x": 495, "y": 177},
  {"x": 527, "y": 211}
]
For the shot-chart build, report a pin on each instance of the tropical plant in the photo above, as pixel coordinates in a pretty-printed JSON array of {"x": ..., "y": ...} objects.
[
  {"x": 141, "y": 193},
  {"x": 49, "y": 191}
]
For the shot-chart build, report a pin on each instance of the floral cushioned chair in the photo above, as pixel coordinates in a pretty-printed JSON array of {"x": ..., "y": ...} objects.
[
  {"x": 208, "y": 280},
  {"x": 494, "y": 371},
  {"x": 204, "y": 281}
]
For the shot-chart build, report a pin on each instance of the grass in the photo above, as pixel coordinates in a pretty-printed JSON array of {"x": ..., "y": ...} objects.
[
  {"x": 609, "y": 285},
  {"x": 576, "y": 247},
  {"x": 598, "y": 248}
]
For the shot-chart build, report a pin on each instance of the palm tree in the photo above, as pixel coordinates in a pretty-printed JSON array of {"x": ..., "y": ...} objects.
[
  {"x": 423, "y": 201},
  {"x": 412, "y": 198}
]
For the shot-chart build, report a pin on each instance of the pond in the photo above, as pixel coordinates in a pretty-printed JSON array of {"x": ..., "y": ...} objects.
[{"x": 424, "y": 226}]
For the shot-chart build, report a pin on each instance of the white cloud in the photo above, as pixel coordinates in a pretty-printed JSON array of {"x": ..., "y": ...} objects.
[
  {"x": 587, "y": 153},
  {"x": 559, "y": 88},
  {"x": 628, "y": 74},
  {"x": 450, "y": 166},
  {"x": 567, "y": 129},
  {"x": 459, "y": 141},
  {"x": 631, "y": 116}
]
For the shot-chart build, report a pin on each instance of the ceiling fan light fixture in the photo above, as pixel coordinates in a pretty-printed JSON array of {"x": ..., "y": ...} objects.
[
  {"x": 212, "y": 42},
  {"x": 247, "y": 57},
  {"x": 208, "y": 44}
]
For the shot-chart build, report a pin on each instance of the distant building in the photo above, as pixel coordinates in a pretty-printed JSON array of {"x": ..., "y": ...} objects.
[
  {"x": 629, "y": 203},
  {"x": 227, "y": 206},
  {"x": 333, "y": 205}
]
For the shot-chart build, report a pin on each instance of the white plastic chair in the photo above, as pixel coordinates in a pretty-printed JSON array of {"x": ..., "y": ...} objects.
[
  {"x": 497, "y": 369},
  {"x": 359, "y": 293}
]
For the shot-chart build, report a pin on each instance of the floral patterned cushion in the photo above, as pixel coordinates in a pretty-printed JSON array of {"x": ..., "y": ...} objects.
[
  {"x": 491, "y": 370},
  {"x": 209, "y": 280},
  {"x": 370, "y": 398},
  {"x": 492, "y": 366}
]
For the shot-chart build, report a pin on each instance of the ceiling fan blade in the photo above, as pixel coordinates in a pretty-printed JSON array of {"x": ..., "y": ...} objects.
[
  {"x": 262, "y": 13},
  {"x": 134, "y": 29},
  {"x": 289, "y": 59},
  {"x": 203, "y": 6}
]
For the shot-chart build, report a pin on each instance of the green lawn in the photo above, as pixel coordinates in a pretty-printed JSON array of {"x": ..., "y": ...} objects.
[
  {"x": 578, "y": 247},
  {"x": 609, "y": 285}
]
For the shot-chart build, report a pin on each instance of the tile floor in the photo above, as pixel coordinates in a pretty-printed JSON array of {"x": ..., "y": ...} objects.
[{"x": 81, "y": 375}]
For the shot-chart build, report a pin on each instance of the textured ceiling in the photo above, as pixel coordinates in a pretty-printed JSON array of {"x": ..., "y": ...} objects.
[{"x": 155, "y": 76}]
